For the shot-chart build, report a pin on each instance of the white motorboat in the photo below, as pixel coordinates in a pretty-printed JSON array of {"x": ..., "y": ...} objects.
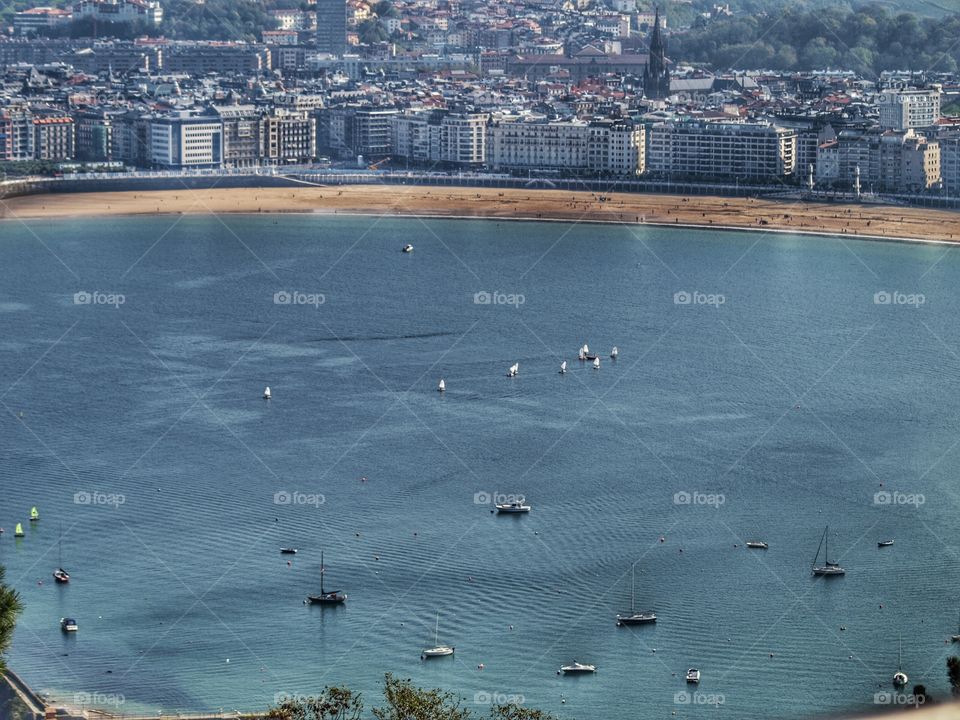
[
  {"x": 757, "y": 545},
  {"x": 68, "y": 625},
  {"x": 693, "y": 675},
  {"x": 884, "y": 543},
  {"x": 408, "y": 248},
  {"x": 516, "y": 506},
  {"x": 437, "y": 650},
  {"x": 577, "y": 668}
]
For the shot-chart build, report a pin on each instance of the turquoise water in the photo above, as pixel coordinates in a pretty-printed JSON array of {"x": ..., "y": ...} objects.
[{"x": 779, "y": 398}]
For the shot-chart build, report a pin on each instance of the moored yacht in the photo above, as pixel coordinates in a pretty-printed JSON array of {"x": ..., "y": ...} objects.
[
  {"x": 693, "y": 676},
  {"x": 68, "y": 625},
  {"x": 576, "y": 668},
  {"x": 517, "y": 506},
  {"x": 828, "y": 569},
  {"x": 437, "y": 650}
]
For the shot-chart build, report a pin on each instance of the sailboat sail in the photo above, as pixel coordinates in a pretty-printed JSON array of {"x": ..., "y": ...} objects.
[
  {"x": 18, "y": 530},
  {"x": 34, "y": 514}
]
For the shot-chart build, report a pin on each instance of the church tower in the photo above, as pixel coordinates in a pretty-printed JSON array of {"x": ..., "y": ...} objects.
[{"x": 656, "y": 76}]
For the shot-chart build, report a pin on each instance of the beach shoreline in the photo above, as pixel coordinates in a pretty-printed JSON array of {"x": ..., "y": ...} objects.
[{"x": 884, "y": 222}]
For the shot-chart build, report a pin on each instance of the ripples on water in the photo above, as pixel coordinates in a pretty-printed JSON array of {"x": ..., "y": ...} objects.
[{"x": 794, "y": 400}]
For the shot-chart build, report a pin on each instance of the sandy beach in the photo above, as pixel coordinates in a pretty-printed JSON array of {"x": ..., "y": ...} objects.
[{"x": 835, "y": 219}]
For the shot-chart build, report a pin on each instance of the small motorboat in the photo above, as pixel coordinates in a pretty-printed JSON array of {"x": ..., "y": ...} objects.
[
  {"x": 693, "y": 675},
  {"x": 576, "y": 668},
  {"x": 408, "y": 248},
  {"x": 68, "y": 625},
  {"x": 266, "y": 393},
  {"x": 61, "y": 576},
  {"x": 442, "y": 386},
  {"x": 884, "y": 543},
  {"x": 512, "y": 507},
  {"x": 757, "y": 545},
  {"x": 288, "y": 551}
]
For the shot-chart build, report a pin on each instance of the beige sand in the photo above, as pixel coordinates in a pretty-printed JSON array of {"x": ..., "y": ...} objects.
[{"x": 881, "y": 222}]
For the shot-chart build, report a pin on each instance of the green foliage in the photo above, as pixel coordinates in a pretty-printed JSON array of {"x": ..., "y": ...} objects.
[
  {"x": 515, "y": 712},
  {"x": 406, "y": 702},
  {"x": 26, "y": 168},
  {"x": 867, "y": 40},
  {"x": 332, "y": 704},
  {"x": 10, "y": 608},
  {"x": 953, "y": 672},
  {"x": 216, "y": 20}
]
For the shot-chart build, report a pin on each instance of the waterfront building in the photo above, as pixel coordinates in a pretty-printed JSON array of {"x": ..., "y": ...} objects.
[
  {"x": 906, "y": 109},
  {"x": 184, "y": 141},
  {"x": 441, "y": 137},
  {"x": 289, "y": 136},
  {"x": 242, "y": 135},
  {"x": 39, "y": 19},
  {"x": 607, "y": 147},
  {"x": 722, "y": 151},
  {"x": 54, "y": 137}
]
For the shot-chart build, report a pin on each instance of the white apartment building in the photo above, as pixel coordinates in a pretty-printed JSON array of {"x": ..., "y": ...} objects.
[
  {"x": 744, "y": 151},
  {"x": 148, "y": 11},
  {"x": 909, "y": 109},
  {"x": 601, "y": 147},
  {"x": 441, "y": 137},
  {"x": 186, "y": 142}
]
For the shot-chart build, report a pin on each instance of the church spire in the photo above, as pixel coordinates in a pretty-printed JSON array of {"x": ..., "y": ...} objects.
[{"x": 656, "y": 76}]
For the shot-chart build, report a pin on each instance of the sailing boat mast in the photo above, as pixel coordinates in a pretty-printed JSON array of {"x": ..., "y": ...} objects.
[
  {"x": 633, "y": 587},
  {"x": 321, "y": 572}
]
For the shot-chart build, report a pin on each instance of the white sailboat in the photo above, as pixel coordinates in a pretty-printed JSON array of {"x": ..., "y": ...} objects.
[
  {"x": 514, "y": 369},
  {"x": 596, "y": 363},
  {"x": 828, "y": 569},
  {"x": 437, "y": 650},
  {"x": 614, "y": 353},
  {"x": 266, "y": 393},
  {"x": 442, "y": 386},
  {"x": 635, "y": 617},
  {"x": 581, "y": 355},
  {"x": 956, "y": 638},
  {"x": 900, "y": 678},
  {"x": 563, "y": 367}
]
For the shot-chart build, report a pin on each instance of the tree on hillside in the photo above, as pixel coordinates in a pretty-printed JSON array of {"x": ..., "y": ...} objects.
[
  {"x": 406, "y": 702},
  {"x": 332, "y": 704},
  {"x": 10, "y": 608}
]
